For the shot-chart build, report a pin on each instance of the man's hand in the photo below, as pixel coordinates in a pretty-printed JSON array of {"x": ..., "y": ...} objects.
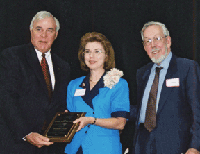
[
  {"x": 38, "y": 140},
  {"x": 192, "y": 151}
]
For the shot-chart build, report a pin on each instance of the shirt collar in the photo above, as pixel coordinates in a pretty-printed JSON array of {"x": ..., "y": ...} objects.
[
  {"x": 39, "y": 54},
  {"x": 90, "y": 94}
]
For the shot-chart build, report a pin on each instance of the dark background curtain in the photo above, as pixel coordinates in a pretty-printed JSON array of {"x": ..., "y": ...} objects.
[{"x": 121, "y": 22}]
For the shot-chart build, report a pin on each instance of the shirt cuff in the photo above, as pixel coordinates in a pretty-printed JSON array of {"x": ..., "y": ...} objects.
[
  {"x": 123, "y": 114},
  {"x": 24, "y": 138}
]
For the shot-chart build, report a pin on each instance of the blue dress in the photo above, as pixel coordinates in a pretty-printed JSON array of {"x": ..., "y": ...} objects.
[{"x": 100, "y": 102}]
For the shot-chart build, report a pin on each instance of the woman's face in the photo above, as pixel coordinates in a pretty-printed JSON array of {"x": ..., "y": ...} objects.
[{"x": 94, "y": 55}]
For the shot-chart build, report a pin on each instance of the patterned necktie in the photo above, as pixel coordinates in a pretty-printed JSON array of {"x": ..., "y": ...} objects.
[
  {"x": 150, "y": 119},
  {"x": 47, "y": 78}
]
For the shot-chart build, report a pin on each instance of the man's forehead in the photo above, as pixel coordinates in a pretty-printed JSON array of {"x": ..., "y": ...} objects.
[
  {"x": 49, "y": 21},
  {"x": 153, "y": 30}
]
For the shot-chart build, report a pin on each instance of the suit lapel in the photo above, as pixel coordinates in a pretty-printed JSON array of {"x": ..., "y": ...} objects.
[
  {"x": 56, "y": 70},
  {"x": 35, "y": 64},
  {"x": 171, "y": 73},
  {"x": 143, "y": 78}
]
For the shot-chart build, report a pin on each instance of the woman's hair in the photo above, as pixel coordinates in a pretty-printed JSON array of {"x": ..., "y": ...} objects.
[{"x": 97, "y": 37}]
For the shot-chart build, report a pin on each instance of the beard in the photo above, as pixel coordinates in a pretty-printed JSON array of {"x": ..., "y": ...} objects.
[{"x": 162, "y": 57}]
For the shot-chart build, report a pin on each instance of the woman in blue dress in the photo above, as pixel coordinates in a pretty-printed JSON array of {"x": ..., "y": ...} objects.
[{"x": 102, "y": 94}]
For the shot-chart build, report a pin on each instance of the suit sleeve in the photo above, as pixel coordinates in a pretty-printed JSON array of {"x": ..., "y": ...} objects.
[
  {"x": 70, "y": 105},
  {"x": 193, "y": 96},
  {"x": 9, "y": 104},
  {"x": 134, "y": 108},
  {"x": 133, "y": 113}
]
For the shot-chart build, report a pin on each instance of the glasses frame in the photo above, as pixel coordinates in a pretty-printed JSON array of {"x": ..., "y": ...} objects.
[
  {"x": 94, "y": 52},
  {"x": 155, "y": 40}
]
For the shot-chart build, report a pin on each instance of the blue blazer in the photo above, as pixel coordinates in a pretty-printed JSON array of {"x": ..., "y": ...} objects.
[
  {"x": 105, "y": 103},
  {"x": 178, "y": 115},
  {"x": 24, "y": 101}
]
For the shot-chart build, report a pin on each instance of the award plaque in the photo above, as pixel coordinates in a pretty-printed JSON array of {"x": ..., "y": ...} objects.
[{"x": 62, "y": 128}]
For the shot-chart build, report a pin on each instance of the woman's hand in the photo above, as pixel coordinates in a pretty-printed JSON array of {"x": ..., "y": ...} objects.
[{"x": 83, "y": 121}]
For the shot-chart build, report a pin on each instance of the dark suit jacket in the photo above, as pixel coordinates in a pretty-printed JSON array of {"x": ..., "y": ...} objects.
[
  {"x": 24, "y": 101},
  {"x": 178, "y": 115}
]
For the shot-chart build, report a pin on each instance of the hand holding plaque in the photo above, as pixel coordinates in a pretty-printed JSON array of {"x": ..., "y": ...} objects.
[{"x": 62, "y": 128}]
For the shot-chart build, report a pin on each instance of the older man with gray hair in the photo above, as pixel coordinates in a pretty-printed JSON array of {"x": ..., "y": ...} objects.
[
  {"x": 168, "y": 96},
  {"x": 33, "y": 83}
]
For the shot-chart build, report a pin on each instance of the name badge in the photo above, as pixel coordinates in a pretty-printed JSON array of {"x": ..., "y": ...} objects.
[
  {"x": 79, "y": 92},
  {"x": 174, "y": 82}
]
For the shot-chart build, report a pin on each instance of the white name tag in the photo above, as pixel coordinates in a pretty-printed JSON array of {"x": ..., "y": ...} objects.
[
  {"x": 174, "y": 82},
  {"x": 79, "y": 92}
]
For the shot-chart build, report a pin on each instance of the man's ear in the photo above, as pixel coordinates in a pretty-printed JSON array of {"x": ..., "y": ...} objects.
[
  {"x": 169, "y": 42},
  {"x": 56, "y": 35},
  {"x": 145, "y": 48}
]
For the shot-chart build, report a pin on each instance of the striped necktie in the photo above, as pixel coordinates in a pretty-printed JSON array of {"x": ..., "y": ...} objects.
[{"x": 47, "y": 78}]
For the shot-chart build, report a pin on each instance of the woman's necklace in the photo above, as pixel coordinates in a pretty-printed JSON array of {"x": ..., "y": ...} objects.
[{"x": 94, "y": 82}]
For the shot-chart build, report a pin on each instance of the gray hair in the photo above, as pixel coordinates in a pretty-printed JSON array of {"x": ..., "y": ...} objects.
[
  {"x": 164, "y": 28},
  {"x": 44, "y": 14}
]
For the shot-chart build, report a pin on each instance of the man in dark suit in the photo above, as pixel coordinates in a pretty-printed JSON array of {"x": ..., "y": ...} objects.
[
  {"x": 168, "y": 110},
  {"x": 27, "y": 105}
]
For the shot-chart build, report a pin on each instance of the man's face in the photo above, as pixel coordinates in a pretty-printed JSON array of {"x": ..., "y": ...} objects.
[
  {"x": 159, "y": 47},
  {"x": 43, "y": 34}
]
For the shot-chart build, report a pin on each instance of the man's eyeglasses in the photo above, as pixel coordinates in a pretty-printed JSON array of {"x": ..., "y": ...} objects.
[{"x": 157, "y": 39}]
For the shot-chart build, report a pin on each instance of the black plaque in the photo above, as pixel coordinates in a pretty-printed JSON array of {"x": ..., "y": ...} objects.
[{"x": 62, "y": 128}]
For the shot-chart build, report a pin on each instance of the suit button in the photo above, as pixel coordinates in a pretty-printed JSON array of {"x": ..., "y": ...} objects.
[
  {"x": 85, "y": 132},
  {"x": 93, "y": 112},
  {"x": 88, "y": 126}
]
